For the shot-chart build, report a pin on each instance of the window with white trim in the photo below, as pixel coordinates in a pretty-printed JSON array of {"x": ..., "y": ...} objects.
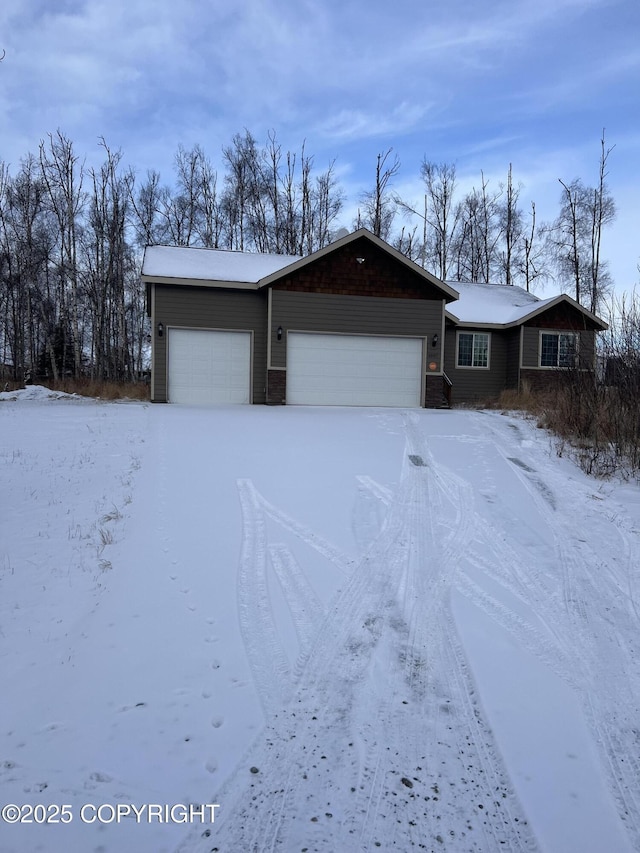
[
  {"x": 473, "y": 349},
  {"x": 558, "y": 349}
]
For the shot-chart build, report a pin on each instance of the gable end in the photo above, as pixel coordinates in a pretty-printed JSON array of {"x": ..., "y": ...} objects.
[
  {"x": 359, "y": 268},
  {"x": 562, "y": 316}
]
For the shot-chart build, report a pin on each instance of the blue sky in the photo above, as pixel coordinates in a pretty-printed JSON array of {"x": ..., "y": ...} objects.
[{"x": 481, "y": 85}]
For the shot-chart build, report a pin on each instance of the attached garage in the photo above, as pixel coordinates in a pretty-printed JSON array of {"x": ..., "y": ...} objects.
[
  {"x": 209, "y": 367},
  {"x": 354, "y": 370},
  {"x": 355, "y": 323}
]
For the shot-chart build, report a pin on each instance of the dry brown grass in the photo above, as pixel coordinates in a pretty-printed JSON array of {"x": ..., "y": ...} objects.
[
  {"x": 523, "y": 400},
  {"x": 94, "y": 388},
  {"x": 597, "y": 425},
  {"x": 103, "y": 390}
]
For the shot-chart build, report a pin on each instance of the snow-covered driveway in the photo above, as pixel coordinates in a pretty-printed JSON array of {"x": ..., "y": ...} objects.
[{"x": 353, "y": 629}]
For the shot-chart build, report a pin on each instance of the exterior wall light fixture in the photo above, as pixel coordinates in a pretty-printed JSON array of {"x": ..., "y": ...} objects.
[
  {"x": 434, "y": 341},
  {"x": 279, "y": 333},
  {"x": 160, "y": 330}
]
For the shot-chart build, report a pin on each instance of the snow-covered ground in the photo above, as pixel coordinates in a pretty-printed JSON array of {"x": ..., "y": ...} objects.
[{"x": 352, "y": 629}]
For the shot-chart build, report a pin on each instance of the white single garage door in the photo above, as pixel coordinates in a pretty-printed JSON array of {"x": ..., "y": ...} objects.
[
  {"x": 353, "y": 370},
  {"x": 209, "y": 367}
]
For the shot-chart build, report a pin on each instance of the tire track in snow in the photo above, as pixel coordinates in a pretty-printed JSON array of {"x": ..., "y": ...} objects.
[
  {"x": 307, "y": 535},
  {"x": 359, "y": 756},
  {"x": 382, "y": 493},
  {"x": 305, "y": 606},
  {"x": 267, "y": 657},
  {"x": 523, "y": 631},
  {"x": 599, "y": 623},
  {"x": 371, "y": 505},
  {"x": 544, "y": 593},
  {"x": 465, "y": 536}
]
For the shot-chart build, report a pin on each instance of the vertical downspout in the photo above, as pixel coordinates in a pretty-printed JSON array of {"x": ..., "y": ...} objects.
[{"x": 154, "y": 355}]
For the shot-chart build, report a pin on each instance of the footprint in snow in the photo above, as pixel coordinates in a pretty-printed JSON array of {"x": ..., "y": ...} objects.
[
  {"x": 216, "y": 722},
  {"x": 211, "y": 765},
  {"x": 100, "y": 777},
  {"x": 38, "y": 788}
]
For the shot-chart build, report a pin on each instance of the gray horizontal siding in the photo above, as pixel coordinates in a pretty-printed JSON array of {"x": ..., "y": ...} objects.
[
  {"x": 530, "y": 340},
  {"x": 512, "y": 338},
  {"x": 470, "y": 384},
  {"x": 366, "y": 315},
  {"x": 209, "y": 308}
]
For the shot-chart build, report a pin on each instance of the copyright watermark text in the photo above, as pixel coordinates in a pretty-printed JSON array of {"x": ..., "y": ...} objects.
[{"x": 109, "y": 813}]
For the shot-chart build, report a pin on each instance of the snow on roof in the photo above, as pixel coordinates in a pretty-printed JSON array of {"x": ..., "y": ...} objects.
[
  {"x": 487, "y": 304},
  {"x": 211, "y": 264},
  {"x": 492, "y": 303}
]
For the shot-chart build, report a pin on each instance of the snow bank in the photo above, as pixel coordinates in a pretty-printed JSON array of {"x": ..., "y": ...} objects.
[{"x": 35, "y": 392}]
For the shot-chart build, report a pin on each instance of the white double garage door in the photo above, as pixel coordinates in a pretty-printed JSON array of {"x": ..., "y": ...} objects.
[{"x": 323, "y": 370}]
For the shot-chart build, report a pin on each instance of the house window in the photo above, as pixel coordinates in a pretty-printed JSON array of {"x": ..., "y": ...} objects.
[
  {"x": 473, "y": 349},
  {"x": 558, "y": 349}
]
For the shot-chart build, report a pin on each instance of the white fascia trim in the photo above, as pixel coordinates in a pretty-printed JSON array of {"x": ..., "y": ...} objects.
[{"x": 199, "y": 282}]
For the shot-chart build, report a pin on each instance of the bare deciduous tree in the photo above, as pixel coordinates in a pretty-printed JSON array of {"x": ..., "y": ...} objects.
[
  {"x": 70, "y": 296},
  {"x": 584, "y": 213},
  {"x": 533, "y": 259},
  {"x": 145, "y": 209},
  {"x": 63, "y": 176},
  {"x": 602, "y": 212},
  {"x": 240, "y": 193},
  {"x": 378, "y": 204},
  {"x": 25, "y": 247},
  {"x": 479, "y": 235},
  {"x": 511, "y": 229},
  {"x": 570, "y": 230},
  {"x": 441, "y": 215},
  {"x": 106, "y": 269}
]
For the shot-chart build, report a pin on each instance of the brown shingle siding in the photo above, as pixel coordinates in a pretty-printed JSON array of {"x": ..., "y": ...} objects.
[
  {"x": 563, "y": 317},
  {"x": 340, "y": 273}
]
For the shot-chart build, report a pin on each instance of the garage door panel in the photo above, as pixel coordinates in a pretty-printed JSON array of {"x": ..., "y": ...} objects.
[
  {"x": 209, "y": 367},
  {"x": 353, "y": 370}
]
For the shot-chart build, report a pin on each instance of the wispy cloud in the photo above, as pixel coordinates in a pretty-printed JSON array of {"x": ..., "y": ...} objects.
[
  {"x": 350, "y": 124},
  {"x": 481, "y": 85}
]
